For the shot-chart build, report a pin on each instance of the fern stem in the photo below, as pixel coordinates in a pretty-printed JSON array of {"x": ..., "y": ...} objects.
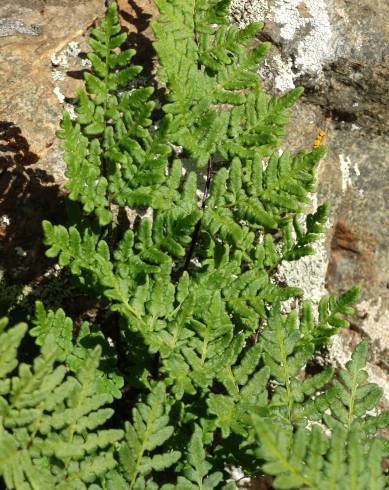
[
  {"x": 352, "y": 399},
  {"x": 284, "y": 364},
  {"x": 142, "y": 450},
  {"x": 197, "y": 229},
  {"x": 104, "y": 169}
]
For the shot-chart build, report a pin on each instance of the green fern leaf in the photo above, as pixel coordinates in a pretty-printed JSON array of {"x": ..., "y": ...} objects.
[{"x": 149, "y": 431}]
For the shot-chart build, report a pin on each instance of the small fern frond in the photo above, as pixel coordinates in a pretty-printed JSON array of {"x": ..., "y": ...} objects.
[
  {"x": 286, "y": 350},
  {"x": 148, "y": 432},
  {"x": 76, "y": 349},
  {"x": 351, "y": 398},
  {"x": 197, "y": 474}
]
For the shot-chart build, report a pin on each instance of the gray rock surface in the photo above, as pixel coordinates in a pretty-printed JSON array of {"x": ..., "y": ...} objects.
[{"x": 9, "y": 27}]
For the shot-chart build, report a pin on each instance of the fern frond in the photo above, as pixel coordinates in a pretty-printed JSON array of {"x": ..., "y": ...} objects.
[
  {"x": 50, "y": 421},
  {"x": 287, "y": 347},
  {"x": 217, "y": 63},
  {"x": 308, "y": 459},
  {"x": 148, "y": 431},
  {"x": 196, "y": 473},
  {"x": 77, "y": 350},
  {"x": 351, "y": 398},
  {"x": 232, "y": 411}
]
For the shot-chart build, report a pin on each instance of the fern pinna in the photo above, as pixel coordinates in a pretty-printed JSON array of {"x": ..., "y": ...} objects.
[{"x": 183, "y": 220}]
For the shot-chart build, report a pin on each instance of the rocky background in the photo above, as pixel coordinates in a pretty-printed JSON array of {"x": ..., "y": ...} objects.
[{"x": 336, "y": 49}]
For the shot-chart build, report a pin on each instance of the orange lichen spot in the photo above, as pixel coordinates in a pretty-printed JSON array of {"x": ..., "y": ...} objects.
[{"x": 319, "y": 139}]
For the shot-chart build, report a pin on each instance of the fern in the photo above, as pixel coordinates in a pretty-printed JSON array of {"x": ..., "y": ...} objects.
[
  {"x": 108, "y": 378},
  {"x": 50, "y": 432},
  {"x": 191, "y": 364},
  {"x": 149, "y": 430},
  {"x": 310, "y": 459},
  {"x": 351, "y": 456},
  {"x": 197, "y": 470},
  {"x": 350, "y": 397}
]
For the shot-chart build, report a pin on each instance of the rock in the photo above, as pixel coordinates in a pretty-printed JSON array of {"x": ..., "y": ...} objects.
[{"x": 33, "y": 34}]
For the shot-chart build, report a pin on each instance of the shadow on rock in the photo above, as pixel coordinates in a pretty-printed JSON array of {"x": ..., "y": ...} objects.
[
  {"x": 138, "y": 39},
  {"x": 28, "y": 195}
]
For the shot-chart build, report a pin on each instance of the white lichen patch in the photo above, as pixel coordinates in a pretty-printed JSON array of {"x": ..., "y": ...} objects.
[
  {"x": 73, "y": 49},
  {"x": 347, "y": 170},
  {"x": 60, "y": 59},
  {"x": 71, "y": 111},
  {"x": 238, "y": 477},
  {"x": 324, "y": 428},
  {"x": 5, "y": 220},
  {"x": 278, "y": 70},
  {"x": 12, "y": 27},
  {"x": 62, "y": 100},
  {"x": 86, "y": 63},
  {"x": 59, "y": 95},
  {"x": 63, "y": 57},
  {"x": 284, "y": 79},
  {"x": 244, "y": 12},
  {"x": 314, "y": 49},
  {"x": 57, "y": 75},
  {"x": 54, "y": 271},
  {"x": 308, "y": 273},
  {"x": 307, "y": 21}
]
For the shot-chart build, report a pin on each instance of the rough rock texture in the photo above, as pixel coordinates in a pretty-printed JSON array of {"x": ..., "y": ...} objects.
[
  {"x": 338, "y": 51},
  {"x": 32, "y": 33},
  {"x": 40, "y": 43}
]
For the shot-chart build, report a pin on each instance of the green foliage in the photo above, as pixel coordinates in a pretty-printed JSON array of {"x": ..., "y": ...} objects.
[
  {"x": 110, "y": 155},
  {"x": 77, "y": 351},
  {"x": 195, "y": 360},
  {"x": 338, "y": 450},
  {"x": 197, "y": 468},
  {"x": 51, "y": 419},
  {"x": 149, "y": 431},
  {"x": 217, "y": 67},
  {"x": 309, "y": 459},
  {"x": 350, "y": 397}
]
